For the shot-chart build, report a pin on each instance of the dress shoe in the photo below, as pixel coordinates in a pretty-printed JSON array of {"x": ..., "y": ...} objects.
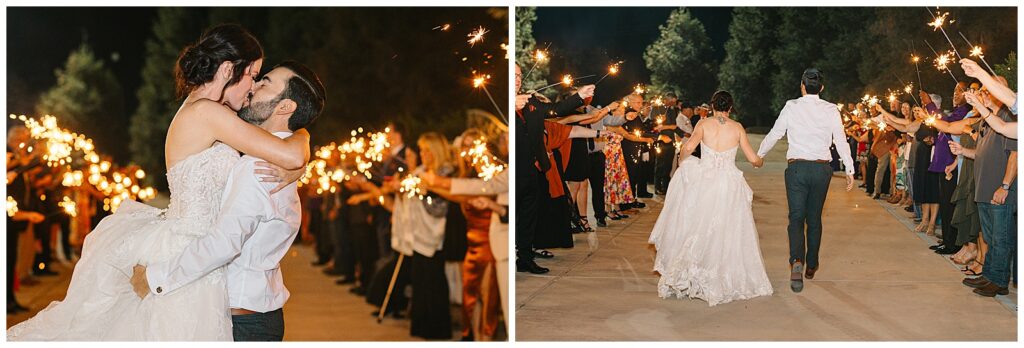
[
  {"x": 15, "y": 308},
  {"x": 601, "y": 222},
  {"x": 531, "y": 266},
  {"x": 358, "y": 290},
  {"x": 640, "y": 205},
  {"x": 331, "y": 271},
  {"x": 644, "y": 195},
  {"x": 45, "y": 272},
  {"x": 936, "y": 246},
  {"x": 976, "y": 282},
  {"x": 796, "y": 280},
  {"x": 809, "y": 274},
  {"x": 345, "y": 281},
  {"x": 909, "y": 209},
  {"x": 947, "y": 251},
  {"x": 394, "y": 314},
  {"x": 991, "y": 290},
  {"x": 615, "y": 218}
]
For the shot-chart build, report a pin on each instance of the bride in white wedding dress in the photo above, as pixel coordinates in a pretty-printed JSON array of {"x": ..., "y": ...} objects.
[
  {"x": 706, "y": 240},
  {"x": 203, "y": 143}
]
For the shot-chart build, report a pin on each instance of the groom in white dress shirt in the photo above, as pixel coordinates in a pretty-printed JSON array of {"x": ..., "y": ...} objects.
[
  {"x": 256, "y": 226},
  {"x": 811, "y": 126}
]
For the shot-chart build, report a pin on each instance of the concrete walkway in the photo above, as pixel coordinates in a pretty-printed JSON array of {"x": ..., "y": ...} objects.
[{"x": 877, "y": 281}]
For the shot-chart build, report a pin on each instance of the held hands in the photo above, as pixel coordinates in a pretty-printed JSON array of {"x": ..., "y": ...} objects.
[
  {"x": 272, "y": 173},
  {"x": 586, "y": 91},
  {"x": 759, "y": 163},
  {"x": 521, "y": 100},
  {"x": 139, "y": 283}
]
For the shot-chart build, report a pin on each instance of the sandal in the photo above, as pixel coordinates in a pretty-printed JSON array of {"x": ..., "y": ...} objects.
[
  {"x": 970, "y": 271},
  {"x": 544, "y": 254},
  {"x": 585, "y": 225}
]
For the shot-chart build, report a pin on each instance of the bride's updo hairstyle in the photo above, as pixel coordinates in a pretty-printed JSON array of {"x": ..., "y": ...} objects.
[
  {"x": 721, "y": 101},
  {"x": 198, "y": 63}
]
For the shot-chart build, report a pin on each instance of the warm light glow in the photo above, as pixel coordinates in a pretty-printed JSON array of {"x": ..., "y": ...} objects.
[{"x": 476, "y": 36}]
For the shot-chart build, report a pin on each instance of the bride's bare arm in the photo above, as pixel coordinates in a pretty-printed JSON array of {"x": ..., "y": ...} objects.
[
  {"x": 748, "y": 151},
  {"x": 691, "y": 145},
  {"x": 289, "y": 153}
]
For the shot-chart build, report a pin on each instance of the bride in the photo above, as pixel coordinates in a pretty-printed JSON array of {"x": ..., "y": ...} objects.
[
  {"x": 705, "y": 237},
  {"x": 203, "y": 142}
]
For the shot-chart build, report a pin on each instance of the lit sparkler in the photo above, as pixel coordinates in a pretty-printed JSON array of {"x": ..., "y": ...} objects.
[
  {"x": 976, "y": 52},
  {"x": 410, "y": 186},
  {"x": 937, "y": 23},
  {"x": 612, "y": 70},
  {"x": 479, "y": 81},
  {"x": 12, "y": 206},
  {"x": 476, "y": 36}
]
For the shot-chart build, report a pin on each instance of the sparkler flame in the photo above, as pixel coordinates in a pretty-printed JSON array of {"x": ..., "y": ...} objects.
[
  {"x": 639, "y": 89},
  {"x": 942, "y": 61},
  {"x": 410, "y": 186},
  {"x": 487, "y": 166},
  {"x": 476, "y": 36},
  {"x": 540, "y": 56},
  {"x": 976, "y": 52},
  {"x": 567, "y": 80},
  {"x": 12, "y": 206},
  {"x": 937, "y": 23}
]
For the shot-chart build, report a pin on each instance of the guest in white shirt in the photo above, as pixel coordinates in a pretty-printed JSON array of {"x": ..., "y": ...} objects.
[
  {"x": 256, "y": 225},
  {"x": 811, "y": 125}
]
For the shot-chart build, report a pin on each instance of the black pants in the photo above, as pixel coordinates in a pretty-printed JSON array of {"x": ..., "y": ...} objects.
[
  {"x": 364, "y": 241},
  {"x": 12, "y": 260},
  {"x": 344, "y": 252},
  {"x": 595, "y": 174},
  {"x": 430, "y": 315},
  {"x": 267, "y": 326},
  {"x": 806, "y": 188},
  {"x": 869, "y": 176},
  {"x": 320, "y": 238},
  {"x": 946, "y": 207},
  {"x": 530, "y": 185},
  {"x": 378, "y": 289},
  {"x": 636, "y": 168},
  {"x": 663, "y": 166}
]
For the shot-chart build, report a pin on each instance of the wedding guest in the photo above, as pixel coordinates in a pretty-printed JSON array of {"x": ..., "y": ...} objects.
[
  {"x": 665, "y": 126},
  {"x": 944, "y": 163},
  {"x": 17, "y": 188}
]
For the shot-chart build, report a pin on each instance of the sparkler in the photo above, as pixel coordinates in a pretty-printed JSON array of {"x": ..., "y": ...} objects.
[
  {"x": 976, "y": 52},
  {"x": 487, "y": 166},
  {"x": 476, "y": 35},
  {"x": 941, "y": 61},
  {"x": 937, "y": 23},
  {"x": 639, "y": 89},
  {"x": 443, "y": 27},
  {"x": 567, "y": 80},
  {"x": 69, "y": 206},
  {"x": 410, "y": 186},
  {"x": 612, "y": 70},
  {"x": 479, "y": 81},
  {"x": 908, "y": 88},
  {"x": 12, "y": 206},
  {"x": 539, "y": 56}
]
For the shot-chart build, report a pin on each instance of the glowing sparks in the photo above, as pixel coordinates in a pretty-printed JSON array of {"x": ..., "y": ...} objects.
[
  {"x": 937, "y": 23},
  {"x": 613, "y": 69},
  {"x": 908, "y": 88},
  {"x": 487, "y": 166},
  {"x": 443, "y": 27},
  {"x": 567, "y": 80},
  {"x": 411, "y": 187},
  {"x": 476, "y": 36},
  {"x": 639, "y": 89},
  {"x": 540, "y": 56},
  {"x": 12, "y": 206},
  {"x": 914, "y": 58},
  {"x": 930, "y": 120},
  {"x": 69, "y": 206},
  {"x": 479, "y": 80},
  {"x": 976, "y": 52},
  {"x": 942, "y": 61}
]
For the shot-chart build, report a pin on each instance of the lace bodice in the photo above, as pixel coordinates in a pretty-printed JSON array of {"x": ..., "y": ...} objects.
[
  {"x": 718, "y": 160},
  {"x": 197, "y": 184}
]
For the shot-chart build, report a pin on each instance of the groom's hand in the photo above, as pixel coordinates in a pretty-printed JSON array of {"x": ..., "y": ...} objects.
[
  {"x": 139, "y": 282},
  {"x": 849, "y": 182}
]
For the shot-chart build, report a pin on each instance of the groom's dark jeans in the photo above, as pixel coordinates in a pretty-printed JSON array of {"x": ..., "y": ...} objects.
[
  {"x": 806, "y": 187},
  {"x": 267, "y": 326}
]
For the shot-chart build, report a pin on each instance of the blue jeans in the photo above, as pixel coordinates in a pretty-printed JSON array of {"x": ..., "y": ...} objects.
[
  {"x": 267, "y": 326},
  {"x": 999, "y": 228}
]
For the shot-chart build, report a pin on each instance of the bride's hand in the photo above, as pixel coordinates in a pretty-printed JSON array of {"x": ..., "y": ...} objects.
[
  {"x": 139, "y": 282},
  {"x": 273, "y": 173}
]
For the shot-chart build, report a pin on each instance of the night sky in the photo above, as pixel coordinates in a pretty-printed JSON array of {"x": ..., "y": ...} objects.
[
  {"x": 47, "y": 35},
  {"x": 585, "y": 40}
]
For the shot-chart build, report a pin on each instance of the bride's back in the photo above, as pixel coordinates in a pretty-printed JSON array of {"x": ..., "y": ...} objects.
[{"x": 721, "y": 133}]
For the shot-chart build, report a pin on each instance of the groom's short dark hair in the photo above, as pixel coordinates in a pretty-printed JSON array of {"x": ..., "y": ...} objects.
[
  {"x": 812, "y": 80},
  {"x": 306, "y": 90}
]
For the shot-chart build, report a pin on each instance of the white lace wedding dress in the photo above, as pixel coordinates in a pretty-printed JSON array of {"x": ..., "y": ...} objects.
[
  {"x": 100, "y": 304},
  {"x": 707, "y": 245}
]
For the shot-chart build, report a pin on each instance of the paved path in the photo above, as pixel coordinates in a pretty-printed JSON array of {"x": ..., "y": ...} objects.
[{"x": 877, "y": 281}]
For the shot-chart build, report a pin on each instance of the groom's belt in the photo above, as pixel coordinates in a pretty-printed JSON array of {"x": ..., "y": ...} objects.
[
  {"x": 791, "y": 160},
  {"x": 242, "y": 311}
]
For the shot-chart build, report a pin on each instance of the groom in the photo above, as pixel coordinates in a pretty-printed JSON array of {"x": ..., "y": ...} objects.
[
  {"x": 811, "y": 125},
  {"x": 255, "y": 228}
]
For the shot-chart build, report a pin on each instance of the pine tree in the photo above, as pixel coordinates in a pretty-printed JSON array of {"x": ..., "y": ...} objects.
[
  {"x": 680, "y": 60},
  {"x": 88, "y": 99},
  {"x": 1008, "y": 69},
  {"x": 174, "y": 28},
  {"x": 526, "y": 46},
  {"x": 747, "y": 67}
]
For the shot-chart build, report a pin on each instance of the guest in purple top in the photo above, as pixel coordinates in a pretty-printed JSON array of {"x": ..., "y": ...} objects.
[{"x": 942, "y": 157}]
